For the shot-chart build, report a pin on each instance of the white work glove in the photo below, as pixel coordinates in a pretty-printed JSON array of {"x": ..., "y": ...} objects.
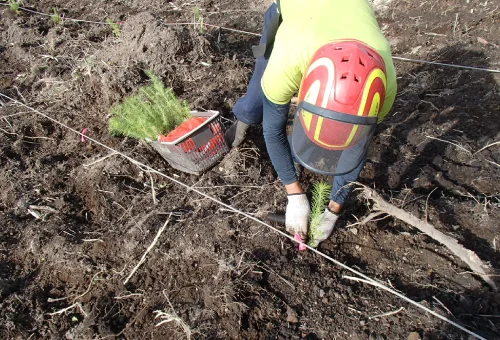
[
  {"x": 297, "y": 215},
  {"x": 324, "y": 229}
]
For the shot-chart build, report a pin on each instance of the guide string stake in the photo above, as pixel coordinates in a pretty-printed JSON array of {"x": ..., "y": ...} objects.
[{"x": 190, "y": 188}]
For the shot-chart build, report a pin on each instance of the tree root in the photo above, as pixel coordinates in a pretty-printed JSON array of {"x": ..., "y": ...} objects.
[{"x": 468, "y": 256}]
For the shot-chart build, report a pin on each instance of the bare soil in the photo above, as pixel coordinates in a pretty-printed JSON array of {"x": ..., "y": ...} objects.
[{"x": 72, "y": 226}]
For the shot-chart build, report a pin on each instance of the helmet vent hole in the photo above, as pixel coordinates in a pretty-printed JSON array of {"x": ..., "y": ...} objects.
[
  {"x": 345, "y": 59},
  {"x": 356, "y": 79},
  {"x": 344, "y": 75},
  {"x": 338, "y": 48},
  {"x": 361, "y": 62},
  {"x": 369, "y": 54}
]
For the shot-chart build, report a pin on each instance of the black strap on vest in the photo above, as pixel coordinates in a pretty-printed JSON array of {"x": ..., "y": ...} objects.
[{"x": 265, "y": 48}]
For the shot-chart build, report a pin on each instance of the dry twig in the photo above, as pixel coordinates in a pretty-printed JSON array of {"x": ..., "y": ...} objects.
[
  {"x": 169, "y": 317},
  {"x": 367, "y": 219},
  {"x": 447, "y": 141},
  {"x": 62, "y": 311},
  {"x": 153, "y": 191},
  {"x": 100, "y": 159},
  {"x": 442, "y": 305},
  {"x": 151, "y": 246},
  {"x": 75, "y": 296},
  {"x": 387, "y": 313},
  {"x": 487, "y": 146}
]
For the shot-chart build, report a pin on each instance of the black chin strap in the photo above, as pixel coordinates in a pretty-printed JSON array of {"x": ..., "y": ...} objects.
[{"x": 265, "y": 48}]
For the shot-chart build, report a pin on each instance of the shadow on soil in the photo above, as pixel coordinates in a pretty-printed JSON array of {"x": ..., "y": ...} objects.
[
  {"x": 441, "y": 117},
  {"x": 460, "y": 107}
]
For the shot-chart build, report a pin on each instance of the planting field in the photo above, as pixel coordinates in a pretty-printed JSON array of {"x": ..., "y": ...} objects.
[{"x": 76, "y": 218}]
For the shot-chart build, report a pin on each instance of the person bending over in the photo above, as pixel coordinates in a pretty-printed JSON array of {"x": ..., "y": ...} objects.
[{"x": 333, "y": 53}]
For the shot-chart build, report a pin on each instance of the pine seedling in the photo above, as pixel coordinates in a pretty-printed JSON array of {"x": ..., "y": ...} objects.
[
  {"x": 152, "y": 111},
  {"x": 14, "y": 6},
  {"x": 198, "y": 19},
  {"x": 55, "y": 17},
  {"x": 320, "y": 194},
  {"x": 114, "y": 27}
]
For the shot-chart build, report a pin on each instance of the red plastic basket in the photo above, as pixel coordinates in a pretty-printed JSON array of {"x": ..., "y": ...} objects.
[{"x": 198, "y": 150}]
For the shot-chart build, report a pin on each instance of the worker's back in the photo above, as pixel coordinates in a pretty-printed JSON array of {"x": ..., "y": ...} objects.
[{"x": 308, "y": 25}]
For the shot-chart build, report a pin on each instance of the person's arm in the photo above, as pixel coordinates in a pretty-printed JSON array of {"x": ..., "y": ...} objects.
[{"x": 297, "y": 209}]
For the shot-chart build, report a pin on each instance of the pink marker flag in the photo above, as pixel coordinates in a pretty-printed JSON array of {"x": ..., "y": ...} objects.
[
  {"x": 302, "y": 247},
  {"x": 84, "y": 132}
]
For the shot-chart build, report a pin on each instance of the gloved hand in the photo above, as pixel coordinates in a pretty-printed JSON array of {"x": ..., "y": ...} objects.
[
  {"x": 236, "y": 133},
  {"x": 324, "y": 229},
  {"x": 297, "y": 215}
]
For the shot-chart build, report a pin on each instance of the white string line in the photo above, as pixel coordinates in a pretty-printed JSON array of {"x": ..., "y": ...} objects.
[
  {"x": 448, "y": 65},
  {"x": 259, "y": 35},
  {"x": 151, "y": 170},
  {"x": 215, "y": 26},
  {"x": 62, "y": 17}
]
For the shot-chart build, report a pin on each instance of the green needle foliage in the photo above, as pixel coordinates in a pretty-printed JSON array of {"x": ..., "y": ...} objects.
[
  {"x": 320, "y": 194},
  {"x": 14, "y": 6},
  {"x": 114, "y": 27},
  {"x": 55, "y": 17},
  {"x": 152, "y": 111},
  {"x": 198, "y": 19}
]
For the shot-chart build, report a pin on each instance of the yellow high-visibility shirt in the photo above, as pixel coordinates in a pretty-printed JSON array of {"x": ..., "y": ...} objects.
[{"x": 309, "y": 24}]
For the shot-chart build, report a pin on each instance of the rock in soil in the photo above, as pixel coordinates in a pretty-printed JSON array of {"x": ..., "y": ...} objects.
[{"x": 291, "y": 315}]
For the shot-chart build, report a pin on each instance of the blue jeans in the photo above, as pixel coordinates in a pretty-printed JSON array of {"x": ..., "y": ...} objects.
[
  {"x": 340, "y": 192},
  {"x": 249, "y": 109}
]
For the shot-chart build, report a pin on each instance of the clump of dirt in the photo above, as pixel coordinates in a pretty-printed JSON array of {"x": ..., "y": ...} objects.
[{"x": 76, "y": 218}]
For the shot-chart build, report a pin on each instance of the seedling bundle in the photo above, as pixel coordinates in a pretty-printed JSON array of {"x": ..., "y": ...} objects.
[{"x": 190, "y": 141}]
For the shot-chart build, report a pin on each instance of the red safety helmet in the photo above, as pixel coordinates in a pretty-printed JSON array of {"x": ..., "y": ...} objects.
[{"x": 340, "y": 97}]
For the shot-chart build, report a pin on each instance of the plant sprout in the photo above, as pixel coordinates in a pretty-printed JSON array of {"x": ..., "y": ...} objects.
[
  {"x": 55, "y": 17},
  {"x": 198, "y": 19},
  {"x": 114, "y": 27},
  {"x": 320, "y": 193},
  {"x": 14, "y": 6}
]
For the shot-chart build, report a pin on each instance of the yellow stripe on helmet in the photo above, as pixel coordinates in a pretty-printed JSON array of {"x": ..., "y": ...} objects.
[
  {"x": 313, "y": 92},
  {"x": 374, "y": 109}
]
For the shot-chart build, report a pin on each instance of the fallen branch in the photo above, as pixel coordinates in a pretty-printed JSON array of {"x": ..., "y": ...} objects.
[
  {"x": 151, "y": 246},
  {"x": 468, "y": 256}
]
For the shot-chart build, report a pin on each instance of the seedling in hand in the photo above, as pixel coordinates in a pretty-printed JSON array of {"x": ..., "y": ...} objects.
[{"x": 320, "y": 194}]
